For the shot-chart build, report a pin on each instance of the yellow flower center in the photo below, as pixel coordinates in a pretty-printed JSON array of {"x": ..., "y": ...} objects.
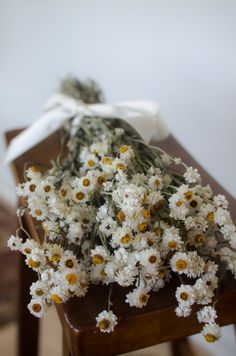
[
  {"x": 181, "y": 265},
  {"x": 104, "y": 324},
  {"x": 146, "y": 213},
  {"x": 179, "y": 203},
  {"x": 157, "y": 182},
  {"x": 101, "y": 180},
  {"x": 36, "y": 307},
  {"x": 98, "y": 259},
  {"x": 125, "y": 239},
  {"x": 210, "y": 216},
  {"x": 210, "y": 338},
  {"x": 142, "y": 227},
  {"x": 27, "y": 250},
  {"x": 86, "y": 182},
  {"x": 188, "y": 195},
  {"x": 172, "y": 244},
  {"x": 193, "y": 203},
  {"x": 80, "y": 195},
  {"x": 69, "y": 263},
  {"x": 121, "y": 216},
  {"x": 184, "y": 296},
  {"x": 107, "y": 160},
  {"x": 56, "y": 299},
  {"x": 91, "y": 163},
  {"x": 200, "y": 238},
  {"x": 38, "y": 212},
  {"x": 33, "y": 264},
  {"x": 39, "y": 292},
  {"x": 47, "y": 188},
  {"x": 143, "y": 298},
  {"x": 34, "y": 169},
  {"x": 55, "y": 257},
  {"x": 71, "y": 278},
  {"x": 124, "y": 149},
  {"x": 120, "y": 166},
  {"x": 152, "y": 259},
  {"x": 32, "y": 187}
]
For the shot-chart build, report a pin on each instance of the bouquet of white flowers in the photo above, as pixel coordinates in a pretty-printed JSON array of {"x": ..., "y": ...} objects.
[{"x": 117, "y": 210}]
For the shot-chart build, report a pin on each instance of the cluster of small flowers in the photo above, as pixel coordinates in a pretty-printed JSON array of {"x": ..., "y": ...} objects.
[
  {"x": 61, "y": 275},
  {"x": 123, "y": 216}
]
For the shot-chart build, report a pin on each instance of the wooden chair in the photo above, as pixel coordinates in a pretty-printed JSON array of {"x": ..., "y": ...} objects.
[{"x": 137, "y": 329}]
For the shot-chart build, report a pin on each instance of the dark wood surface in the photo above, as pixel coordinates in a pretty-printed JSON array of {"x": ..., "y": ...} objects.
[{"x": 137, "y": 328}]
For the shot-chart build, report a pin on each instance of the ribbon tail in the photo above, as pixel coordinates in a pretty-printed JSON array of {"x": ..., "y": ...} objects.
[
  {"x": 144, "y": 116},
  {"x": 43, "y": 127}
]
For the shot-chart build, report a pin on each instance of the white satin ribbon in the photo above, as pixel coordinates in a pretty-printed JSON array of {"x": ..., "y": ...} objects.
[{"x": 144, "y": 116}]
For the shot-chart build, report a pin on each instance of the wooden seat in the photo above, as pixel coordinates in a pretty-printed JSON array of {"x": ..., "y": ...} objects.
[{"x": 154, "y": 324}]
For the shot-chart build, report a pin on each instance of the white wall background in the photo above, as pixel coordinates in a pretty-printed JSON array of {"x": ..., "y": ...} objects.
[{"x": 180, "y": 53}]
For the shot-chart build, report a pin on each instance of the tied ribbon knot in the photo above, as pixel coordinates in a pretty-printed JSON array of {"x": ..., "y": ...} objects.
[{"x": 143, "y": 116}]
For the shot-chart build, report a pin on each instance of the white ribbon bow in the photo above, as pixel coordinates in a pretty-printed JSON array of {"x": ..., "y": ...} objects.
[{"x": 142, "y": 115}]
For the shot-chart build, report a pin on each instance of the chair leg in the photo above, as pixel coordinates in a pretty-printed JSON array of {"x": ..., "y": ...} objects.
[
  {"x": 182, "y": 347},
  {"x": 28, "y": 325},
  {"x": 65, "y": 346}
]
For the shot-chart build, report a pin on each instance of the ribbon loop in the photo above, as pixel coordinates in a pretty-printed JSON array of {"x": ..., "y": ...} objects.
[{"x": 144, "y": 116}]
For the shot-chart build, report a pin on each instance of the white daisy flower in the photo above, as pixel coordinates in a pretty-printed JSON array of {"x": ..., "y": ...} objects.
[
  {"x": 15, "y": 243},
  {"x": 108, "y": 226},
  {"x": 125, "y": 276},
  {"x": 171, "y": 239},
  {"x": 91, "y": 161},
  {"x": 196, "y": 265},
  {"x": 33, "y": 173},
  {"x": 122, "y": 237},
  {"x": 183, "y": 310},
  {"x": 35, "y": 261},
  {"x": 154, "y": 198},
  {"x": 204, "y": 293},
  {"x": 207, "y": 315},
  {"x": 221, "y": 201},
  {"x": 49, "y": 276},
  {"x": 29, "y": 188},
  {"x": 119, "y": 165},
  {"x": 99, "y": 255},
  {"x": 75, "y": 233},
  {"x": 149, "y": 258},
  {"x": 137, "y": 298},
  {"x": 38, "y": 208},
  {"x": 54, "y": 253},
  {"x": 191, "y": 175},
  {"x": 185, "y": 294},
  {"x": 178, "y": 209},
  {"x": 126, "y": 152},
  {"x": 211, "y": 332},
  {"x": 37, "y": 307},
  {"x": 68, "y": 260},
  {"x": 39, "y": 289},
  {"x": 222, "y": 217},
  {"x": 180, "y": 263},
  {"x": 58, "y": 294},
  {"x": 106, "y": 321},
  {"x": 155, "y": 182}
]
